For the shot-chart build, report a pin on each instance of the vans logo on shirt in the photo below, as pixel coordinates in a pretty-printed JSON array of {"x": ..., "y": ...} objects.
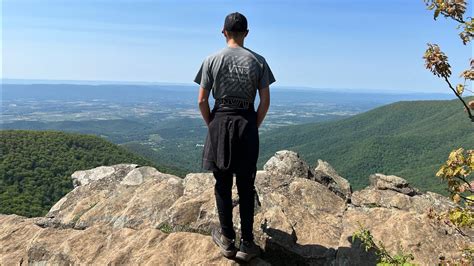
[{"x": 239, "y": 72}]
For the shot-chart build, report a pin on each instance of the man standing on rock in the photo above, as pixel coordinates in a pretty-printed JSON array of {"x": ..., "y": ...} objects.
[{"x": 234, "y": 74}]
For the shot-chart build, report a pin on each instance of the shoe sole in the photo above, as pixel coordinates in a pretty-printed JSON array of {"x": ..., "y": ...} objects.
[
  {"x": 227, "y": 253},
  {"x": 245, "y": 256}
]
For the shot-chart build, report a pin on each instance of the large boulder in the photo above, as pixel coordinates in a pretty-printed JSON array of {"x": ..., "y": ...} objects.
[
  {"x": 196, "y": 208},
  {"x": 128, "y": 197},
  {"x": 125, "y": 214},
  {"x": 399, "y": 230},
  {"x": 421, "y": 203},
  {"x": 299, "y": 220}
]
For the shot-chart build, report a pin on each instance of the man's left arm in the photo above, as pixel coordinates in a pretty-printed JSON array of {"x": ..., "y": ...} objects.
[
  {"x": 266, "y": 79},
  {"x": 203, "y": 102}
]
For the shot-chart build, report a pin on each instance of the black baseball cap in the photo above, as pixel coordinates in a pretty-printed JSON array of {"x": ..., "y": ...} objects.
[{"x": 235, "y": 22}]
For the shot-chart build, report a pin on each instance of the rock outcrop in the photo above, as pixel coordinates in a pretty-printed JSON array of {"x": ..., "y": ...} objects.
[
  {"x": 326, "y": 175},
  {"x": 288, "y": 163},
  {"x": 126, "y": 214},
  {"x": 391, "y": 182}
]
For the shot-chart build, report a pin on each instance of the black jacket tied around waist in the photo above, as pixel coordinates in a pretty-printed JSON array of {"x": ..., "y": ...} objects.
[{"x": 232, "y": 142}]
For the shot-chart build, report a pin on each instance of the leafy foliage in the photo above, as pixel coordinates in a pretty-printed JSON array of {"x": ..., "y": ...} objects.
[
  {"x": 448, "y": 8},
  {"x": 462, "y": 217},
  {"x": 457, "y": 172},
  {"x": 468, "y": 31},
  {"x": 364, "y": 235},
  {"x": 469, "y": 75},
  {"x": 35, "y": 166},
  {"x": 436, "y": 61},
  {"x": 460, "y": 164}
]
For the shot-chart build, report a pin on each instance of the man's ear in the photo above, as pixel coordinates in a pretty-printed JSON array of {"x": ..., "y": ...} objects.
[{"x": 246, "y": 33}]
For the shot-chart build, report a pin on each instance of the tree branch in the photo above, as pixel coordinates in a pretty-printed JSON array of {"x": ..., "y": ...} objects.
[
  {"x": 465, "y": 181},
  {"x": 456, "y": 228},
  {"x": 466, "y": 199},
  {"x": 461, "y": 99},
  {"x": 459, "y": 20}
]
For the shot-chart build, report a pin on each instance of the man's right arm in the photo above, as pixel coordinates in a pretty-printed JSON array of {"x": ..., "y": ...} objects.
[
  {"x": 205, "y": 79},
  {"x": 264, "y": 94},
  {"x": 203, "y": 102}
]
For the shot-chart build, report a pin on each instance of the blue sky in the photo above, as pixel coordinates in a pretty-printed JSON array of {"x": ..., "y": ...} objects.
[{"x": 363, "y": 44}]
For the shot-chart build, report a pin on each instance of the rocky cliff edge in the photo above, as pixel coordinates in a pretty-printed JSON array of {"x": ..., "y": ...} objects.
[{"x": 126, "y": 214}]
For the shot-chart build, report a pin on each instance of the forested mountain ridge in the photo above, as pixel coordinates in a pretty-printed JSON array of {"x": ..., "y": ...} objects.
[
  {"x": 35, "y": 166},
  {"x": 409, "y": 139}
]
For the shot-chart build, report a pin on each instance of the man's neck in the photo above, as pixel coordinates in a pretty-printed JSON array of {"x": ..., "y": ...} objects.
[{"x": 232, "y": 43}]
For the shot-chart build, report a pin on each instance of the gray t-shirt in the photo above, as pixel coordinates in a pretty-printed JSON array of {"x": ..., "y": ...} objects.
[{"x": 234, "y": 73}]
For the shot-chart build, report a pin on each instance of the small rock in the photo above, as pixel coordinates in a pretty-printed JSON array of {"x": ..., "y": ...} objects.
[
  {"x": 392, "y": 182},
  {"x": 288, "y": 163}
]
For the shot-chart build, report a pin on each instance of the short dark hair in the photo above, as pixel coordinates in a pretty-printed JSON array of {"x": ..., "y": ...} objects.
[
  {"x": 235, "y": 22},
  {"x": 236, "y": 34}
]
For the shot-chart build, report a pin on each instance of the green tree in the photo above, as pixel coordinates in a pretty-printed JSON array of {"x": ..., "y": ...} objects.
[
  {"x": 36, "y": 166},
  {"x": 437, "y": 61},
  {"x": 458, "y": 169}
]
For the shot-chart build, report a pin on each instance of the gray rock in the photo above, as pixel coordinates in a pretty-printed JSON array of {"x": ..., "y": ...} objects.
[
  {"x": 80, "y": 178},
  {"x": 288, "y": 163},
  {"x": 398, "y": 229},
  {"x": 121, "y": 217},
  {"x": 138, "y": 175},
  {"x": 392, "y": 182},
  {"x": 326, "y": 175},
  {"x": 128, "y": 197},
  {"x": 196, "y": 183}
]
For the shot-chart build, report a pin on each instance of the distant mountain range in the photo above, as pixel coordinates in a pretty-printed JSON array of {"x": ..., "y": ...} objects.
[
  {"x": 193, "y": 86},
  {"x": 409, "y": 139}
]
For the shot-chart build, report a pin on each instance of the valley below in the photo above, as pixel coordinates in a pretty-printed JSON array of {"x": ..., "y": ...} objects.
[{"x": 162, "y": 123}]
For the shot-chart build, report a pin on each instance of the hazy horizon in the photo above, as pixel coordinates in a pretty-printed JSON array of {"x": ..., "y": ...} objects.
[{"x": 158, "y": 83}]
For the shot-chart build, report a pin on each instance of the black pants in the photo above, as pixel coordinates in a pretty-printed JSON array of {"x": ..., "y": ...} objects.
[
  {"x": 246, "y": 191},
  {"x": 232, "y": 146}
]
